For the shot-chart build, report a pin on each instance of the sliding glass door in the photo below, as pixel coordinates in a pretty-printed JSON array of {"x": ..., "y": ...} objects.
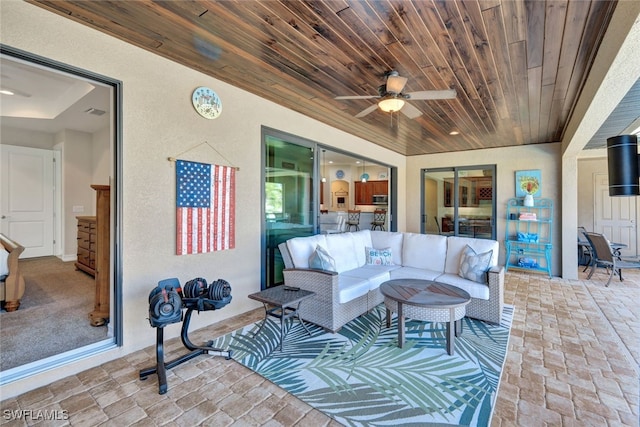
[
  {"x": 289, "y": 198},
  {"x": 459, "y": 201},
  {"x": 308, "y": 188}
]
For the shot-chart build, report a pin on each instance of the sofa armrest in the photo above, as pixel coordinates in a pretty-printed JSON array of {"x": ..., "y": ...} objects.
[
  {"x": 495, "y": 280},
  {"x": 13, "y": 287},
  {"x": 324, "y": 283}
]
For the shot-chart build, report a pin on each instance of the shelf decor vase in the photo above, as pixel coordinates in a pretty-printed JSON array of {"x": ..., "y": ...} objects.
[{"x": 528, "y": 200}]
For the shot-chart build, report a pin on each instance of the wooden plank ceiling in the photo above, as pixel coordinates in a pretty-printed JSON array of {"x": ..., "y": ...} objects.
[{"x": 517, "y": 66}]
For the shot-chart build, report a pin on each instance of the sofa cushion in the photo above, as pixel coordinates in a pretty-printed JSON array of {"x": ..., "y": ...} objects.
[
  {"x": 301, "y": 248},
  {"x": 4, "y": 262},
  {"x": 378, "y": 256},
  {"x": 386, "y": 239},
  {"x": 375, "y": 275},
  {"x": 456, "y": 246},
  {"x": 474, "y": 266},
  {"x": 427, "y": 251},
  {"x": 343, "y": 250},
  {"x": 361, "y": 239},
  {"x": 475, "y": 289},
  {"x": 351, "y": 287},
  {"x": 414, "y": 273},
  {"x": 321, "y": 260}
]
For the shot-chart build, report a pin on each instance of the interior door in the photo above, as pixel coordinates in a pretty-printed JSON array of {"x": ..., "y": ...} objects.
[
  {"x": 27, "y": 198},
  {"x": 615, "y": 217}
]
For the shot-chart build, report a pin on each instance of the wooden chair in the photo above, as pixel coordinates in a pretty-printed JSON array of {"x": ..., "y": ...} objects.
[
  {"x": 379, "y": 217},
  {"x": 12, "y": 284},
  {"x": 353, "y": 219},
  {"x": 603, "y": 257}
]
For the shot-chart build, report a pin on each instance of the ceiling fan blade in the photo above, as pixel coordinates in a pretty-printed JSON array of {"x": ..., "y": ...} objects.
[
  {"x": 433, "y": 94},
  {"x": 410, "y": 111},
  {"x": 366, "y": 111},
  {"x": 395, "y": 84},
  {"x": 358, "y": 97}
]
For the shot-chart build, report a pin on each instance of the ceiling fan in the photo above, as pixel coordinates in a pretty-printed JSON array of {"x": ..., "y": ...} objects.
[{"x": 393, "y": 100}]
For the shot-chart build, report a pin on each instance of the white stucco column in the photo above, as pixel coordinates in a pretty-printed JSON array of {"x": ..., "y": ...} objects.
[{"x": 615, "y": 69}]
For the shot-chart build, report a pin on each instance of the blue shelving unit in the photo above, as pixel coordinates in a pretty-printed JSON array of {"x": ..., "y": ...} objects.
[{"x": 528, "y": 235}]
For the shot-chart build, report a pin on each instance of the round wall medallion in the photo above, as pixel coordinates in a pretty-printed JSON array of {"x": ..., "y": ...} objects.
[
  {"x": 339, "y": 174},
  {"x": 206, "y": 102}
]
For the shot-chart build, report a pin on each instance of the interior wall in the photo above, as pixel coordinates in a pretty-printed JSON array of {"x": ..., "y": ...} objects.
[
  {"x": 101, "y": 156},
  {"x": 25, "y": 138},
  {"x": 80, "y": 167},
  {"x": 78, "y": 198},
  {"x": 160, "y": 122},
  {"x": 508, "y": 160}
]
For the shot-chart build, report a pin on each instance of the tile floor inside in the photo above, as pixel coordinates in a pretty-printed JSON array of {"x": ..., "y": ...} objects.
[{"x": 573, "y": 360}]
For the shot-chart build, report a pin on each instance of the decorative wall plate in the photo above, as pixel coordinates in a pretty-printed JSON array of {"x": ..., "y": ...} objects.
[
  {"x": 206, "y": 102},
  {"x": 339, "y": 174}
]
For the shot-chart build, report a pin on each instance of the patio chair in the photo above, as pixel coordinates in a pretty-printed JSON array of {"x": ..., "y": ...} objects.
[
  {"x": 603, "y": 257},
  {"x": 353, "y": 219},
  {"x": 584, "y": 249}
]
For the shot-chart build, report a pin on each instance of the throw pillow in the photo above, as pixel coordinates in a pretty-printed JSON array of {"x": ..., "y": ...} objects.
[
  {"x": 321, "y": 260},
  {"x": 474, "y": 266},
  {"x": 379, "y": 256}
]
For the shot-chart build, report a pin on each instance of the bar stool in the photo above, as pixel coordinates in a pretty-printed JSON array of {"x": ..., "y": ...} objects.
[
  {"x": 379, "y": 216},
  {"x": 353, "y": 219}
]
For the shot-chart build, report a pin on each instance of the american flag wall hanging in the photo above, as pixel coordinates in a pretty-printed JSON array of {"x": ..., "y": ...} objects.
[{"x": 205, "y": 202}]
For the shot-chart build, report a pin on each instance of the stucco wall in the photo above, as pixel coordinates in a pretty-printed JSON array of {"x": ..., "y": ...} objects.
[
  {"x": 160, "y": 122},
  {"x": 545, "y": 157}
]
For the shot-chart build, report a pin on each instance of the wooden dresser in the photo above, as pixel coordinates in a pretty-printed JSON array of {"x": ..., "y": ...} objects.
[
  {"x": 94, "y": 253},
  {"x": 87, "y": 244}
]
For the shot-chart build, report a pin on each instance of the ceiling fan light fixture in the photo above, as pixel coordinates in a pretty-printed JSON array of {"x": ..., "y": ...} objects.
[{"x": 391, "y": 105}]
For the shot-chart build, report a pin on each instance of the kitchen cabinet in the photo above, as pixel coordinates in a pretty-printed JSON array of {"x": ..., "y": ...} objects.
[
  {"x": 364, "y": 191},
  {"x": 471, "y": 191}
]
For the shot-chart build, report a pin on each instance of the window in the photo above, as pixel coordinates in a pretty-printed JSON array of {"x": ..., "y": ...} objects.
[{"x": 274, "y": 197}]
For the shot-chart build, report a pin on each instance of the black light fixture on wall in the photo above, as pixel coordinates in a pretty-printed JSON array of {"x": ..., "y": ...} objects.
[{"x": 622, "y": 158}]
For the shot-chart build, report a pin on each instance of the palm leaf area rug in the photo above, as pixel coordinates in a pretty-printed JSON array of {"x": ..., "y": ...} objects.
[{"x": 360, "y": 377}]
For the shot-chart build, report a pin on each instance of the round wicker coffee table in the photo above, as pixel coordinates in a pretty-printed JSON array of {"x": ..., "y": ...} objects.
[{"x": 428, "y": 301}]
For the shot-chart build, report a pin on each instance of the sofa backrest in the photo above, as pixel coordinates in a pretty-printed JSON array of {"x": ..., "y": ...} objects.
[
  {"x": 301, "y": 248},
  {"x": 456, "y": 245},
  {"x": 391, "y": 240},
  {"x": 346, "y": 249},
  {"x": 425, "y": 251}
]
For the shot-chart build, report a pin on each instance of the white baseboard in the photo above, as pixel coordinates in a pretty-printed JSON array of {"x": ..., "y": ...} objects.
[{"x": 67, "y": 258}]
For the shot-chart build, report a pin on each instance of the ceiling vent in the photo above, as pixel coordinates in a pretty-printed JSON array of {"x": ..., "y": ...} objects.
[{"x": 95, "y": 111}]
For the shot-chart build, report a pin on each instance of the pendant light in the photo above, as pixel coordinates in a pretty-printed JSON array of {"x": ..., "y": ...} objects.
[{"x": 363, "y": 178}]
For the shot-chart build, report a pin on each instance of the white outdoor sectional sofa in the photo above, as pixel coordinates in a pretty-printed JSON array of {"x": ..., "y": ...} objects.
[{"x": 353, "y": 288}]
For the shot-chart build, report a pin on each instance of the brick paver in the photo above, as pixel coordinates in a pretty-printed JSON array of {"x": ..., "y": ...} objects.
[{"x": 573, "y": 360}]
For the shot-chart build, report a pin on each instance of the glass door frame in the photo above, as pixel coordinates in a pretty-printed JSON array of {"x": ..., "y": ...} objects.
[{"x": 456, "y": 172}]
